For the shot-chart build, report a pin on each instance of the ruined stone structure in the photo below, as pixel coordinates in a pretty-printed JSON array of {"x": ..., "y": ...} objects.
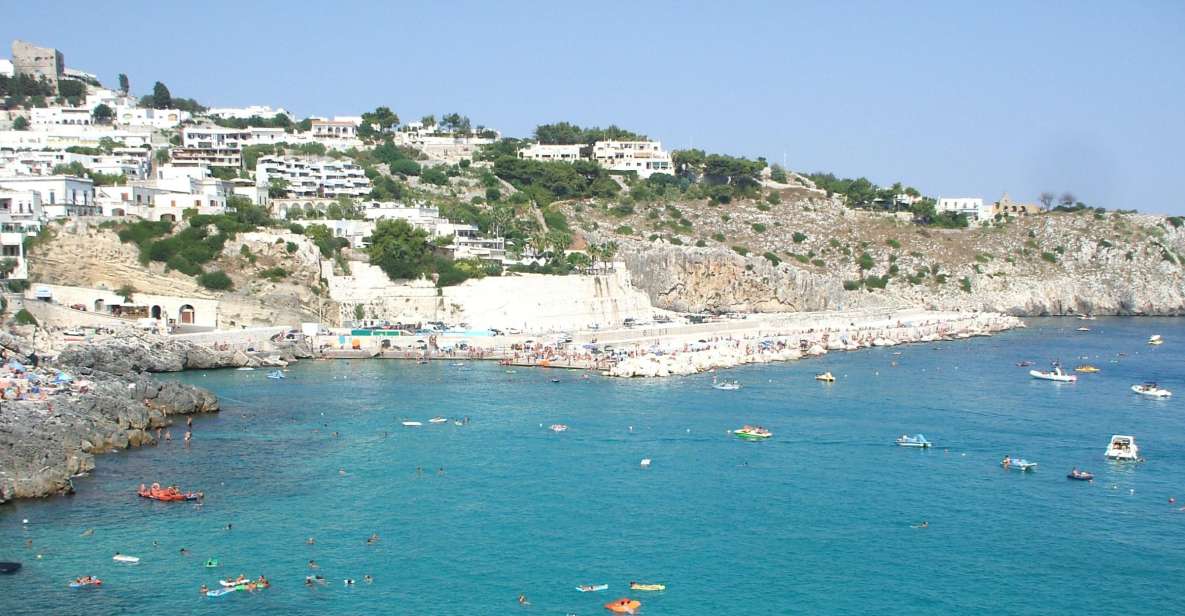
[{"x": 37, "y": 62}]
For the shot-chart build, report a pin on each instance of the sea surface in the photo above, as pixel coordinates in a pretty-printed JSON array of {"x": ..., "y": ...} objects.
[{"x": 817, "y": 520}]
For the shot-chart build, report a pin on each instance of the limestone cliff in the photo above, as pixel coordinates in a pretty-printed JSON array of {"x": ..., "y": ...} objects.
[{"x": 809, "y": 252}]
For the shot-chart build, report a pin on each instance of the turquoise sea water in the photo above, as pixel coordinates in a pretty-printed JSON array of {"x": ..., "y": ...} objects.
[{"x": 816, "y": 520}]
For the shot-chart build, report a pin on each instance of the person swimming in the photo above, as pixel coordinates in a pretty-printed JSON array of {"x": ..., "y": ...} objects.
[
  {"x": 313, "y": 564},
  {"x": 367, "y": 578},
  {"x": 522, "y": 599},
  {"x": 374, "y": 538},
  {"x": 310, "y": 541}
]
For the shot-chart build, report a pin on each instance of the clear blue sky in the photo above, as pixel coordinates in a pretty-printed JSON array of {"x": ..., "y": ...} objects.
[{"x": 958, "y": 99}]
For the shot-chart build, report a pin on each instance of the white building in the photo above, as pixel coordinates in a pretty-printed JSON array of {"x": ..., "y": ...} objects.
[
  {"x": 168, "y": 194},
  {"x": 246, "y": 113},
  {"x": 61, "y": 136},
  {"x": 337, "y": 128},
  {"x": 218, "y": 146},
  {"x": 160, "y": 119},
  {"x": 973, "y": 207},
  {"x": 643, "y": 157},
  {"x": 61, "y": 195},
  {"x": 6, "y": 69},
  {"x": 20, "y": 216},
  {"x": 173, "y": 309},
  {"x": 309, "y": 176},
  {"x": 67, "y": 116},
  {"x": 548, "y": 152},
  {"x": 132, "y": 163}
]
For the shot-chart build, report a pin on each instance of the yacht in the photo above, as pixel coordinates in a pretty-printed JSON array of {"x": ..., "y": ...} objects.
[
  {"x": 1123, "y": 448},
  {"x": 916, "y": 440}
]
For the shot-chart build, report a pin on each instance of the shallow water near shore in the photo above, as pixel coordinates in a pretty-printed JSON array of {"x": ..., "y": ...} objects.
[{"x": 815, "y": 520}]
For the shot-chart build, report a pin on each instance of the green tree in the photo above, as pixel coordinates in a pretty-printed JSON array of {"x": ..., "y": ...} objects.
[
  {"x": 102, "y": 114},
  {"x": 428, "y": 121},
  {"x": 400, "y": 250},
  {"x": 124, "y": 86},
  {"x": 277, "y": 188},
  {"x": 126, "y": 291},
  {"x": 777, "y": 173},
  {"x": 161, "y": 99},
  {"x": 20, "y": 123}
]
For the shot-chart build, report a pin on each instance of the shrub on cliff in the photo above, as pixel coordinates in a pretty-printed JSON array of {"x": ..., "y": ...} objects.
[
  {"x": 24, "y": 317},
  {"x": 772, "y": 258},
  {"x": 1049, "y": 256},
  {"x": 216, "y": 280},
  {"x": 852, "y": 285}
]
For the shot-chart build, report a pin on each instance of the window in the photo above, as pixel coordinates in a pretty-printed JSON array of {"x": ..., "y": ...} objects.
[{"x": 12, "y": 251}]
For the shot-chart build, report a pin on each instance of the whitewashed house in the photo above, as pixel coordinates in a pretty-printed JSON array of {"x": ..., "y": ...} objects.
[
  {"x": 551, "y": 152},
  {"x": 643, "y": 157},
  {"x": 973, "y": 207}
]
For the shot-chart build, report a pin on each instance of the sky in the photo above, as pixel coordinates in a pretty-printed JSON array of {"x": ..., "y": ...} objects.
[{"x": 956, "y": 98}]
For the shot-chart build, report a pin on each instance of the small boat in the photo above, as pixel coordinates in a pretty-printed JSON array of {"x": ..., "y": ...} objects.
[
  {"x": 1019, "y": 464},
  {"x": 457, "y": 364},
  {"x": 916, "y": 440},
  {"x": 645, "y": 463},
  {"x": 168, "y": 495},
  {"x": 123, "y": 558},
  {"x": 826, "y": 377},
  {"x": 1087, "y": 368},
  {"x": 211, "y": 563},
  {"x": 245, "y": 368},
  {"x": 555, "y": 380},
  {"x": 1056, "y": 374},
  {"x": 276, "y": 375},
  {"x": 1086, "y": 317},
  {"x": 1083, "y": 329},
  {"x": 1155, "y": 339},
  {"x": 624, "y": 605},
  {"x": 218, "y": 592},
  {"x": 1151, "y": 389},
  {"x": 86, "y": 582},
  {"x": 412, "y": 424},
  {"x": 1123, "y": 448},
  {"x": 1025, "y": 364},
  {"x": 592, "y": 587},
  {"x": 438, "y": 420},
  {"x": 557, "y": 428},
  {"x": 1078, "y": 475},
  {"x": 422, "y": 361},
  {"x": 752, "y": 433},
  {"x": 9, "y": 567},
  {"x": 647, "y": 587},
  {"x": 726, "y": 385}
]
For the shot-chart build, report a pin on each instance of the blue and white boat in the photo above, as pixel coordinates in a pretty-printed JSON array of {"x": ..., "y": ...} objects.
[
  {"x": 916, "y": 440},
  {"x": 276, "y": 374}
]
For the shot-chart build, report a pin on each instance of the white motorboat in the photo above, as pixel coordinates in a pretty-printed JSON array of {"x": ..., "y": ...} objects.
[
  {"x": 1056, "y": 374},
  {"x": 558, "y": 428},
  {"x": 412, "y": 424},
  {"x": 916, "y": 440},
  {"x": 1083, "y": 329},
  {"x": 1086, "y": 317},
  {"x": 438, "y": 420},
  {"x": 124, "y": 558},
  {"x": 1155, "y": 339},
  {"x": 726, "y": 385},
  {"x": 1151, "y": 390},
  {"x": 1019, "y": 464},
  {"x": 1123, "y": 448}
]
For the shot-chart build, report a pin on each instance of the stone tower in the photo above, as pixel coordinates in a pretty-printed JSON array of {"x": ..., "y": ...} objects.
[{"x": 37, "y": 62}]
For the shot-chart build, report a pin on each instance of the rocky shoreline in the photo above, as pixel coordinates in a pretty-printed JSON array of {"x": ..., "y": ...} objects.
[{"x": 45, "y": 442}]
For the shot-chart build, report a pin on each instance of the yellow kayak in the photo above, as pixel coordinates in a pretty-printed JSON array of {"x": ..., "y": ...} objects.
[
  {"x": 652, "y": 587},
  {"x": 1086, "y": 368}
]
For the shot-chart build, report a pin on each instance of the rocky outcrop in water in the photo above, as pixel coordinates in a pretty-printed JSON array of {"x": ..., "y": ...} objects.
[{"x": 43, "y": 443}]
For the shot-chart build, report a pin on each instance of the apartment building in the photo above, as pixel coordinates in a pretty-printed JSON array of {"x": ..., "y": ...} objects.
[
  {"x": 309, "y": 176},
  {"x": 549, "y": 152},
  {"x": 60, "y": 195},
  {"x": 973, "y": 207}
]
